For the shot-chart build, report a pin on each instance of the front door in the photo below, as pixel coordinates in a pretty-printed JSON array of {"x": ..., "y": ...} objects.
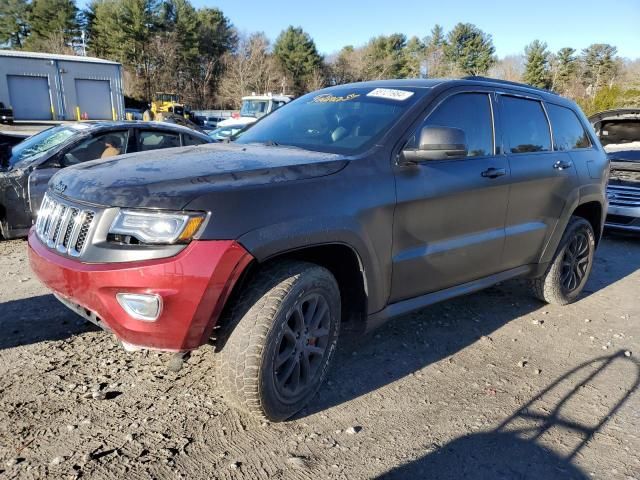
[{"x": 449, "y": 219}]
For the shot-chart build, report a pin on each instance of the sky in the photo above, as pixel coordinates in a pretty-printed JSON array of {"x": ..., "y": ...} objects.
[{"x": 513, "y": 24}]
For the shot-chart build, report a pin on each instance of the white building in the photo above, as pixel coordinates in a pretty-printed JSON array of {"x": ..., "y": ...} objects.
[{"x": 43, "y": 86}]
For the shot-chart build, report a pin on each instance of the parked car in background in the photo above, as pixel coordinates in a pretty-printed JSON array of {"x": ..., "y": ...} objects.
[
  {"x": 26, "y": 168},
  {"x": 6, "y": 114},
  {"x": 208, "y": 123},
  {"x": 255, "y": 107},
  {"x": 223, "y": 133},
  {"x": 355, "y": 204},
  {"x": 619, "y": 133}
]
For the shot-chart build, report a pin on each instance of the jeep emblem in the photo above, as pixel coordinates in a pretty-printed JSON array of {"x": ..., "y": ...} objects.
[{"x": 59, "y": 187}]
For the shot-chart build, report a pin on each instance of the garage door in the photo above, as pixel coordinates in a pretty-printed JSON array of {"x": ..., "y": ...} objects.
[
  {"x": 29, "y": 97},
  {"x": 94, "y": 99}
]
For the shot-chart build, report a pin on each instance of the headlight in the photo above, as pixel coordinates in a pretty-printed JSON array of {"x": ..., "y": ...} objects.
[{"x": 157, "y": 227}]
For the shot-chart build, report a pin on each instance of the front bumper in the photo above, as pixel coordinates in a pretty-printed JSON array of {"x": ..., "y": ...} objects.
[{"x": 194, "y": 285}]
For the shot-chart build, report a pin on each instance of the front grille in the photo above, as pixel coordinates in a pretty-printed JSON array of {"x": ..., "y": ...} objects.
[
  {"x": 621, "y": 196},
  {"x": 62, "y": 226}
]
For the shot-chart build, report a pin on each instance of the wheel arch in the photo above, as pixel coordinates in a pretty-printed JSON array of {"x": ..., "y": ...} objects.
[{"x": 340, "y": 259}]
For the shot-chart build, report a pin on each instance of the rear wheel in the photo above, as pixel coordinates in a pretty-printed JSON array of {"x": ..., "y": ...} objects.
[
  {"x": 569, "y": 270},
  {"x": 279, "y": 339}
]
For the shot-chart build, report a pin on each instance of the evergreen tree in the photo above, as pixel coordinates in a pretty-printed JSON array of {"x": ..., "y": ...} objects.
[
  {"x": 52, "y": 24},
  {"x": 298, "y": 56},
  {"x": 536, "y": 69},
  {"x": 564, "y": 69},
  {"x": 384, "y": 57},
  {"x": 434, "y": 52},
  {"x": 599, "y": 65},
  {"x": 469, "y": 49},
  {"x": 414, "y": 55},
  {"x": 14, "y": 26}
]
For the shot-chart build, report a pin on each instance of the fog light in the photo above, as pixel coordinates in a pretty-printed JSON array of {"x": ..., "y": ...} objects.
[{"x": 145, "y": 307}]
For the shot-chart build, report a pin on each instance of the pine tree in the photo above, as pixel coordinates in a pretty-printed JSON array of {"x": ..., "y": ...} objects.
[
  {"x": 14, "y": 26},
  {"x": 436, "y": 64},
  {"x": 298, "y": 56},
  {"x": 599, "y": 65},
  {"x": 564, "y": 69},
  {"x": 52, "y": 24},
  {"x": 414, "y": 54},
  {"x": 536, "y": 69},
  {"x": 384, "y": 57},
  {"x": 469, "y": 49}
]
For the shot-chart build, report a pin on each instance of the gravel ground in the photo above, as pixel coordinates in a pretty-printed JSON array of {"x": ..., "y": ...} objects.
[{"x": 493, "y": 385}]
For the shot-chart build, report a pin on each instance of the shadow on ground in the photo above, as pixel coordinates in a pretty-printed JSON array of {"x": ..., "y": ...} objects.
[
  {"x": 38, "y": 319},
  {"x": 513, "y": 449}
]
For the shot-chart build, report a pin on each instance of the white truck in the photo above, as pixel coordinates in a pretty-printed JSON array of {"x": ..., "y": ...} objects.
[{"x": 254, "y": 107}]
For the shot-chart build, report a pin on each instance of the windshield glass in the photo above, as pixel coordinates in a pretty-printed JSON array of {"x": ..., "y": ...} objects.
[
  {"x": 254, "y": 108},
  {"x": 342, "y": 121},
  {"x": 41, "y": 143}
]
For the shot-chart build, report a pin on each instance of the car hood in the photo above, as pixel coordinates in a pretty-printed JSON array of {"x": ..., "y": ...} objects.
[{"x": 171, "y": 178}]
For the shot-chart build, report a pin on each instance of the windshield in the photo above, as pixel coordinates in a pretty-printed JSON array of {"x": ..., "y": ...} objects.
[
  {"x": 41, "y": 143},
  {"x": 342, "y": 121},
  {"x": 254, "y": 108}
]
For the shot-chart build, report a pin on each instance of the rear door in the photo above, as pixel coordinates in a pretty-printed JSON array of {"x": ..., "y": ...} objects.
[
  {"x": 156, "y": 139},
  {"x": 543, "y": 178},
  {"x": 449, "y": 219}
]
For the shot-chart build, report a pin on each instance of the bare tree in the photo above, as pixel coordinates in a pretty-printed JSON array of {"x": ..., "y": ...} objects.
[
  {"x": 251, "y": 68},
  {"x": 509, "y": 68}
]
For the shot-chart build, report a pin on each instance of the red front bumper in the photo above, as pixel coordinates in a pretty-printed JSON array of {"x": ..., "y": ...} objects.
[{"x": 194, "y": 286}]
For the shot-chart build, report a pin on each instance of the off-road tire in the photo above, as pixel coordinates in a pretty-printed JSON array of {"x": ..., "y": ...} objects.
[
  {"x": 253, "y": 330},
  {"x": 549, "y": 287}
]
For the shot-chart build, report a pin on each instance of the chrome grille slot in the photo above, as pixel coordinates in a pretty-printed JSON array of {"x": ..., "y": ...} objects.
[
  {"x": 623, "y": 196},
  {"x": 62, "y": 226}
]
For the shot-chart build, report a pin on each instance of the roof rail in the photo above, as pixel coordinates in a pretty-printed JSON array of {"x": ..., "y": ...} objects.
[{"x": 507, "y": 82}]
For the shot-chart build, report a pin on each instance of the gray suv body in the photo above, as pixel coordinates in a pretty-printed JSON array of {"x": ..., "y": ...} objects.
[{"x": 354, "y": 204}]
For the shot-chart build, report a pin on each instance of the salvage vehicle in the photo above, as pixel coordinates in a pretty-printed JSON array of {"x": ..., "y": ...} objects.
[
  {"x": 6, "y": 114},
  {"x": 25, "y": 169},
  {"x": 254, "y": 107},
  {"x": 347, "y": 207},
  {"x": 619, "y": 133}
]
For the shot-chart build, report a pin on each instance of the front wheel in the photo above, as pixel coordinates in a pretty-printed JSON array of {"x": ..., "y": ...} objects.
[
  {"x": 569, "y": 270},
  {"x": 278, "y": 340}
]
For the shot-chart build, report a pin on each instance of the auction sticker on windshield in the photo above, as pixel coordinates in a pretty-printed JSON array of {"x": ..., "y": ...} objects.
[
  {"x": 390, "y": 94},
  {"x": 328, "y": 98}
]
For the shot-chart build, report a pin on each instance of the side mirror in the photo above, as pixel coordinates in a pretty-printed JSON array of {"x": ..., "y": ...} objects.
[{"x": 437, "y": 143}]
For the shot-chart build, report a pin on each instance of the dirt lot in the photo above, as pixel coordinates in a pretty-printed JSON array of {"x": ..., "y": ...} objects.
[{"x": 494, "y": 385}]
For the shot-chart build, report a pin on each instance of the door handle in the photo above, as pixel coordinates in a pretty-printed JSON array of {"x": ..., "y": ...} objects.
[
  {"x": 494, "y": 172},
  {"x": 562, "y": 165}
]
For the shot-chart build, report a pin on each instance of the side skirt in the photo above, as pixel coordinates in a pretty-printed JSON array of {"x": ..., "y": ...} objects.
[{"x": 403, "y": 307}]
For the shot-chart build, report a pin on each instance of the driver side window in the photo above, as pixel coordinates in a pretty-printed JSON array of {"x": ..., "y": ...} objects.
[
  {"x": 103, "y": 145},
  {"x": 469, "y": 112}
]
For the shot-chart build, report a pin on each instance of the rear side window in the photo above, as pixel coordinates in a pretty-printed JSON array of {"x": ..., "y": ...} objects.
[
  {"x": 471, "y": 113},
  {"x": 568, "y": 132},
  {"x": 526, "y": 125},
  {"x": 154, "y": 140}
]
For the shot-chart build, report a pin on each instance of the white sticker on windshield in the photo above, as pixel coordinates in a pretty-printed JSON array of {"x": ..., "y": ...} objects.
[{"x": 390, "y": 93}]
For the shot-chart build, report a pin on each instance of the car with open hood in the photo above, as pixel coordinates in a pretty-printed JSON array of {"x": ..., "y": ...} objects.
[
  {"x": 345, "y": 208},
  {"x": 619, "y": 133}
]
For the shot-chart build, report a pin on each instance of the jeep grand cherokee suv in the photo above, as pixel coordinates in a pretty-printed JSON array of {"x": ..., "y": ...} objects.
[{"x": 357, "y": 203}]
